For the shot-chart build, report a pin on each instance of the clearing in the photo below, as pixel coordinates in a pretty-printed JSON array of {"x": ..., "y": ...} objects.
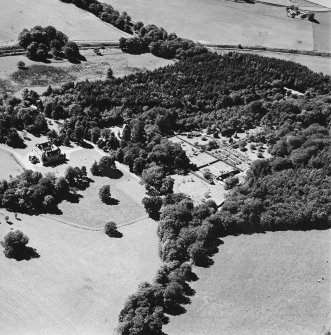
[
  {"x": 81, "y": 280},
  {"x": 273, "y": 283},
  {"x": 77, "y": 24}
]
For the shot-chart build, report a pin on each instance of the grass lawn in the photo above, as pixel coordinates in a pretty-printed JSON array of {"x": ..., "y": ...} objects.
[
  {"x": 262, "y": 284},
  {"x": 80, "y": 282}
]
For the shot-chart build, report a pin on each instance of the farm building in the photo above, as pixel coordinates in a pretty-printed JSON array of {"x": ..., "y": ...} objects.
[{"x": 48, "y": 153}]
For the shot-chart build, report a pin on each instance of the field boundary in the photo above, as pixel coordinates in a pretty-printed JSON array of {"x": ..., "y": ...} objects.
[{"x": 16, "y": 50}]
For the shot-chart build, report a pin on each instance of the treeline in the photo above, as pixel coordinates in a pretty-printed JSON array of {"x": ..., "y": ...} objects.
[
  {"x": 148, "y": 38},
  {"x": 186, "y": 235},
  {"x": 106, "y": 13},
  {"x": 43, "y": 43},
  {"x": 160, "y": 43},
  {"x": 31, "y": 192},
  {"x": 21, "y": 114}
]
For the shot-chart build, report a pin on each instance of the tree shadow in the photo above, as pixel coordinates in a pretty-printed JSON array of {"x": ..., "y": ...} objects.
[
  {"x": 73, "y": 197},
  {"x": 114, "y": 174},
  {"x": 55, "y": 164},
  {"x": 177, "y": 309},
  {"x": 24, "y": 254},
  {"x": 86, "y": 145},
  {"x": 112, "y": 202},
  {"x": 74, "y": 61},
  {"x": 81, "y": 58},
  {"x": 205, "y": 261},
  {"x": 314, "y": 21},
  {"x": 116, "y": 234}
]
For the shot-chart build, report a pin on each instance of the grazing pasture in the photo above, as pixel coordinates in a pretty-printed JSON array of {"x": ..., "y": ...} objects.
[
  {"x": 78, "y": 24},
  {"x": 81, "y": 280},
  {"x": 273, "y": 283}
]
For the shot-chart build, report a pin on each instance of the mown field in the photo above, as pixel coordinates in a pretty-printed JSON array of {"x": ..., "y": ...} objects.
[
  {"x": 224, "y": 22},
  {"x": 274, "y": 283},
  {"x": 78, "y": 24},
  {"x": 80, "y": 282}
]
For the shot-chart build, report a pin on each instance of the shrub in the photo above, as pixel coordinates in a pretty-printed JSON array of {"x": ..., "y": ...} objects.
[{"x": 20, "y": 64}]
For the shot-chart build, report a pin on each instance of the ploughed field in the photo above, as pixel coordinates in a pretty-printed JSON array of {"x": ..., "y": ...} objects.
[{"x": 274, "y": 283}]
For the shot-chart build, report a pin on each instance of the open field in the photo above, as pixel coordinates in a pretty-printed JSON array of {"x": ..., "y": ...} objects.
[
  {"x": 80, "y": 282},
  {"x": 41, "y": 75},
  {"x": 8, "y": 166},
  {"x": 78, "y": 24},
  {"x": 224, "y": 22},
  {"x": 262, "y": 284}
]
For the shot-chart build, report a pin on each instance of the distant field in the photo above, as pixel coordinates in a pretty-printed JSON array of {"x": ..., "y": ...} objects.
[
  {"x": 76, "y": 23},
  {"x": 273, "y": 283},
  {"x": 80, "y": 282},
  {"x": 223, "y": 22}
]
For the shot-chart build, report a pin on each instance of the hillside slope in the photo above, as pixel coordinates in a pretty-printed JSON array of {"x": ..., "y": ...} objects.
[{"x": 76, "y": 23}]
